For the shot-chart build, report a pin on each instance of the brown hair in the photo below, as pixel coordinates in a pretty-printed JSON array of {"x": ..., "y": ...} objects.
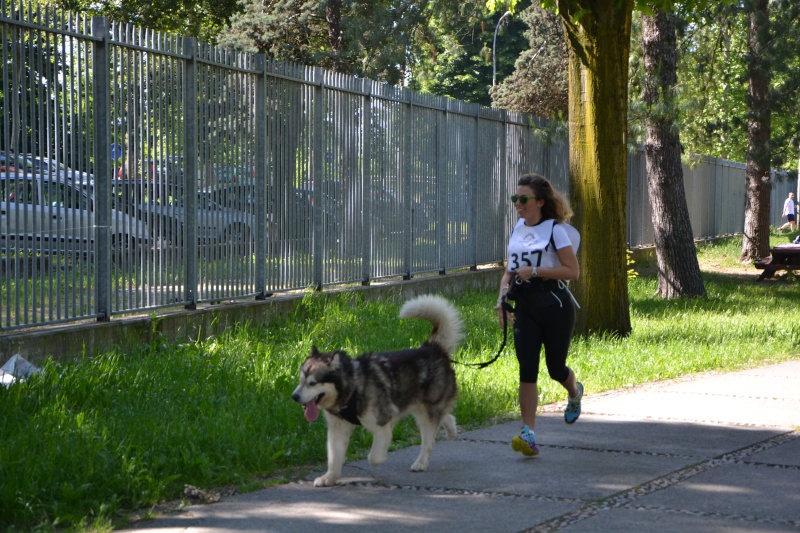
[{"x": 555, "y": 205}]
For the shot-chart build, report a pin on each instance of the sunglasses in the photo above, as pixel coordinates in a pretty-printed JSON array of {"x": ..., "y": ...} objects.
[{"x": 521, "y": 198}]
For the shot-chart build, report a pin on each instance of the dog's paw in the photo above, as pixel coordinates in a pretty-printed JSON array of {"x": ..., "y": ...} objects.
[
  {"x": 376, "y": 459},
  {"x": 450, "y": 428},
  {"x": 419, "y": 466},
  {"x": 325, "y": 481}
]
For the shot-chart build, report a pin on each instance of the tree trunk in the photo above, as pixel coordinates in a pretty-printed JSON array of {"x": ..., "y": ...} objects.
[
  {"x": 333, "y": 16},
  {"x": 755, "y": 244},
  {"x": 598, "y": 41},
  {"x": 676, "y": 255}
]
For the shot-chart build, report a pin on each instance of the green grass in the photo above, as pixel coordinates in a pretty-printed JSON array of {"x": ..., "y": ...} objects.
[{"x": 86, "y": 441}]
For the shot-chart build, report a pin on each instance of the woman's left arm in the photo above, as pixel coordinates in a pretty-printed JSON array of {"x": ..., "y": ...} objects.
[{"x": 569, "y": 269}]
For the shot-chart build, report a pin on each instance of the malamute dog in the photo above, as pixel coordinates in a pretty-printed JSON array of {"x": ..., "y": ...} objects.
[{"x": 377, "y": 389}]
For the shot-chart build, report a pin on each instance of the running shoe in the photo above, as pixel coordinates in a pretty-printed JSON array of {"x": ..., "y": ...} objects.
[
  {"x": 573, "y": 410},
  {"x": 525, "y": 443}
]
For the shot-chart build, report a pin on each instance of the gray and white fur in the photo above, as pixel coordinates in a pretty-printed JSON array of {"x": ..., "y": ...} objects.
[{"x": 377, "y": 389}]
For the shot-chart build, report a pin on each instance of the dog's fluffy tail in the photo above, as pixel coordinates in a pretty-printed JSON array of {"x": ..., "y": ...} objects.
[{"x": 448, "y": 329}]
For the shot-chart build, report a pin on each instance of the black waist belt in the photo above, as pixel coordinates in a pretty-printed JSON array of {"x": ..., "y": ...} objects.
[{"x": 539, "y": 285}]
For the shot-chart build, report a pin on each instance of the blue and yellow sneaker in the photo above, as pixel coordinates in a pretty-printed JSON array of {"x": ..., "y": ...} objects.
[
  {"x": 573, "y": 410},
  {"x": 525, "y": 443}
]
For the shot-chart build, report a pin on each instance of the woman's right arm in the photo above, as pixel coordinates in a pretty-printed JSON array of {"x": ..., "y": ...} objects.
[{"x": 504, "y": 281}]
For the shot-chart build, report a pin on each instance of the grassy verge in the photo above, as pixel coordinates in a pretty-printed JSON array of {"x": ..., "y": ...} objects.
[{"x": 87, "y": 440}]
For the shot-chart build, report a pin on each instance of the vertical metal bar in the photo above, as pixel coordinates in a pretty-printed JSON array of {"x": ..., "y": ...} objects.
[
  {"x": 27, "y": 60},
  {"x": 190, "y": 170},
  {"x": 39, "y": 145},
  {"x": 472, "y": 187},
  {"x": 501, "y": 225},
  {"x": 317, "y": 178},
  {"x": 406, "y": 203},
  {"x": 102, "y": 149},
  {"x": 366, "y": 179},
  {"x": 442, "y": 158},
  {"x": 262, "y": 226}
]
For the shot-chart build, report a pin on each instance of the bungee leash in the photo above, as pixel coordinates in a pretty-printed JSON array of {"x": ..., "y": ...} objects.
[{"x": 506, "y": 307}]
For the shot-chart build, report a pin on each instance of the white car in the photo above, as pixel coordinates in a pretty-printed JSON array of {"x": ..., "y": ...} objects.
[{"x": 54, "y": 215}]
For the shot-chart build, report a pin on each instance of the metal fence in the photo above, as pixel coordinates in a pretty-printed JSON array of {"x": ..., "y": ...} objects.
[{"x": 142, "y": 171}]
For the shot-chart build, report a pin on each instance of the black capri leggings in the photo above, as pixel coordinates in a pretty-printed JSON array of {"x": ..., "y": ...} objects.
[{"x": 538, "y": 323}]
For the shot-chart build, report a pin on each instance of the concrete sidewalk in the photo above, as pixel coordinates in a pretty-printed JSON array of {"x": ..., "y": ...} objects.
[{"x": 712, "y": 452}]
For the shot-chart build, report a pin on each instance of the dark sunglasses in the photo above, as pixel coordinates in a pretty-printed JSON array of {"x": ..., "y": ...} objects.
[{"x": 522, "y": 198}]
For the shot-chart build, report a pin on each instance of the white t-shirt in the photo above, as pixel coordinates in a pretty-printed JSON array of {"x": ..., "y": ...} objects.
[
  {"x": 788, "y": 207},
  {"x": 531, "y": 245}
]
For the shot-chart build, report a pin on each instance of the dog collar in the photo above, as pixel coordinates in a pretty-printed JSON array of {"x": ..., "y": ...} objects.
[{"x": 348, "y": 412}]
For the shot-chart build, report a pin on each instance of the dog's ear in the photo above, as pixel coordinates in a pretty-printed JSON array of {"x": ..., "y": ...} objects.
[{"x": 314, "y": 350}]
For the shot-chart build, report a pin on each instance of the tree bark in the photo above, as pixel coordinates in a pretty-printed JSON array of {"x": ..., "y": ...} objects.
[
  {"x": 333, "y": 16},
  {"x": 598, "y": 39},
  {"x": 676, "y": 255},
  {"x": 755, "y": 244}
]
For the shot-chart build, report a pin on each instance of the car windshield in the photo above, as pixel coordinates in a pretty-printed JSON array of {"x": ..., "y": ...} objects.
[{"x": 47, "y": 164}]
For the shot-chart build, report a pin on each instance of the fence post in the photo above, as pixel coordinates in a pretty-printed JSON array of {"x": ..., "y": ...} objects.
[
  {"x": 366, "y": 179},
  {"x": 190, "y": 169},
  {"x": 102, "y": 168},
  {"x": 406, "y": 200},
  {"x": 317, "y": 170},
  {"x": 503, "y": 183},
  {"x": 442, "y": 158},
  {"x": 472, "y": 194},
  {"x": 263, "y": 228}
]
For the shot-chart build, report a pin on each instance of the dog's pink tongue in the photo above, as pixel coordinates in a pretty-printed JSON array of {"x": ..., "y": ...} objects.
[{"x": 311, "y": 411}]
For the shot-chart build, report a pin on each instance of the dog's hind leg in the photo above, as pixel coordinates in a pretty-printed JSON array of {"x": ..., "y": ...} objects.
[
  {"x": 339, "y": 432},
  {"x": 427, "y": 431},
  {"x": 381, "y": 440},
  {"x": 449, "y": 423}
]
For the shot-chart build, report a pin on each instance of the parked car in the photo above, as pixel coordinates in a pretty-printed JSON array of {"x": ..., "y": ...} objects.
[
  {"x": 162, "y": 206},
  {"x": 51, "y": 214},
  {"x": 387, "y": 207},
  {"x": 289, "y": 216},
  {"x": 43, "y": 165},
  {"x": 13, "y": 163}
]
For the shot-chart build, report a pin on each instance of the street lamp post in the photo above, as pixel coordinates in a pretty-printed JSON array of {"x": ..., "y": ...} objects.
[{"x": 494, "y": 44}]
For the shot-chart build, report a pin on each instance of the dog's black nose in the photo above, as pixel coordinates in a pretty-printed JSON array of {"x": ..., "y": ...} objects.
[{"x": 296, "y": 397}]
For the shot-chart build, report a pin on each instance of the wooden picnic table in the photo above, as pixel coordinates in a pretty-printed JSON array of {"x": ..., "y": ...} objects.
[{"x": 784, "y": 257}]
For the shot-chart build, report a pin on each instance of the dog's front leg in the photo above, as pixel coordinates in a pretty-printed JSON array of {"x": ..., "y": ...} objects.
[{"x": 339, "y": 432}]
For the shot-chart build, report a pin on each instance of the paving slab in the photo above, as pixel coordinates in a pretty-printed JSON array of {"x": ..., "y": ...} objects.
[
  {"x": 743, "y": 491},
  {"x": 641, "y": 520},
  {"x": 787, "y": 455},
  {"x": 359, "y": 506},
  {"x": 558, "y": 473},
  {"x": 627, "y": 433},
  {"x": 703, "y": 408}
]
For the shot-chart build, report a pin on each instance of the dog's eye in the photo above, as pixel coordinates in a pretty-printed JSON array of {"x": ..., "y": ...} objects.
[{"x": 311, "y": 383}]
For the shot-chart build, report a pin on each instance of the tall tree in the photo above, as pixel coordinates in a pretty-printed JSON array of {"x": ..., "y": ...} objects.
[
  {"x": 454, "y": 56},
  {"x": 714, "y": 79},
  {"x": 203, "y": 19},
  {"x": 538, "y": 85},
  {"x": 364, "y": 38},
  {"x": 755, "y": 244},
  {"x": 598, "y": 39},
  {"x": 676, "y": 255}
]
